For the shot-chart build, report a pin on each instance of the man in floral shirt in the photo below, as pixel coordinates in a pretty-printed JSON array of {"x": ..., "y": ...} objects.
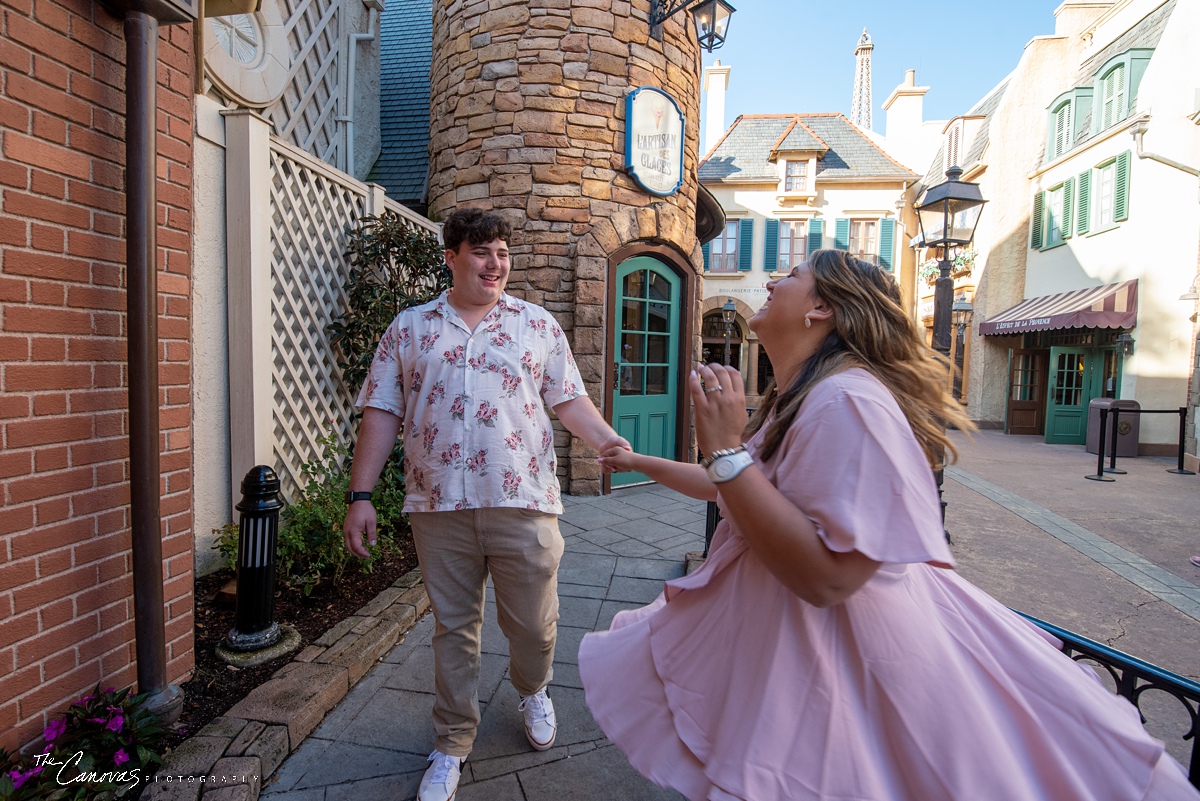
[{"x": 467, "y": 378}]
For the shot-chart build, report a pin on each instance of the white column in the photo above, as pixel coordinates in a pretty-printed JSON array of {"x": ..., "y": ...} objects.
[{"x": 248, "y": 227}]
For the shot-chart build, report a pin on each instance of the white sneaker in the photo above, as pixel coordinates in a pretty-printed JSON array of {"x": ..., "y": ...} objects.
[
  {"x": 541, "y": 727},
  {"x": 440, "y": 781}
]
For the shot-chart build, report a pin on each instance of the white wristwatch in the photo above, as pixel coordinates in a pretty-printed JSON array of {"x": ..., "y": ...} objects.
[{"x": 728, "y": 466}]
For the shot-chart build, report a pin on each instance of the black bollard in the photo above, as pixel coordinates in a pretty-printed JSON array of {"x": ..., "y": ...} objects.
[{"x": 254, "y": 627}]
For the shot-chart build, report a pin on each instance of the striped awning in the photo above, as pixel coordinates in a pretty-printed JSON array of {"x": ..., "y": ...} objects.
[{"x": 1109, "y": 306}]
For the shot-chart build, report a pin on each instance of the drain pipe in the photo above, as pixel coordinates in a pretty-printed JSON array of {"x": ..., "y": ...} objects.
[
  {"x": 141, "y": 264},
  {"x": 374, "y": 7},
  {"x": 1138, "y": 128}
]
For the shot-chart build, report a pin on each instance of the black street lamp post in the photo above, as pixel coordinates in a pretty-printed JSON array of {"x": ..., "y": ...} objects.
[
  {"x": 711, "y": 18},
  {"x": 728, "y": 311},
  {"x": 948, "y": 214}
]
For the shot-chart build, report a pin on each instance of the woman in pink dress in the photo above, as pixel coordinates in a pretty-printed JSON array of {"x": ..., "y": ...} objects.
[{"x": 827, "y": 650}]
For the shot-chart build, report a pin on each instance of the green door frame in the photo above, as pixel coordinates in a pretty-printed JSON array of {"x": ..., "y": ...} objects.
[
  {"x": 682, "y": 269},
  {"x": 1067, "y": 422}
]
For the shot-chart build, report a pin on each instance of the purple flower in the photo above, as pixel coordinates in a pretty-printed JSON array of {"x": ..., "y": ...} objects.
[
  {"x": 52, "y": 731},
  {"x": 120, "y": 758},
  {"x": 97, "y": 720},
  {"x": 84, "y": 700},
  {"x": 18, "y": 778},
  {"x": 116, "y": 723}
]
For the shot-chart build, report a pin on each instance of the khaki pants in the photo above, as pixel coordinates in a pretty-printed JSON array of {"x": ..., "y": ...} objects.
[{"x": 521, "y": 549}]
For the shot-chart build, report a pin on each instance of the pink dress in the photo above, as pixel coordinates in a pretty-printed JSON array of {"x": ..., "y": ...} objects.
[{"x": 919, "y": 686}]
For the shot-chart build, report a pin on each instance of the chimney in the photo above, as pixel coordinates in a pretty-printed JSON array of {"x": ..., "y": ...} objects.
[
  {"x": 905, "y": 107},
  {"x": 716, "y": 81}
]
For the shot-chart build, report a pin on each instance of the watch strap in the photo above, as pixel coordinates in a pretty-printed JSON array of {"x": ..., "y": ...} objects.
[
  {"x": 353, "y": 496},
  {"x": 728, "y": 466}
]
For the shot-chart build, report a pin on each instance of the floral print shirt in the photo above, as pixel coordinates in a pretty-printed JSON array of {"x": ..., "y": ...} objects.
[{"x": 475, "y": 430}]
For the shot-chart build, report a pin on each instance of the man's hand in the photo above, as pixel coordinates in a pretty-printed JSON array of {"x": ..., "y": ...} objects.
[{"x": 360, "y": 519}]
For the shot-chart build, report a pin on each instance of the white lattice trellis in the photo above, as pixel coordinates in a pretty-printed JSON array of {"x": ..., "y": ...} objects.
[
  {"x": 311, "y": 206},
  {"x": 308, "y": 113}
]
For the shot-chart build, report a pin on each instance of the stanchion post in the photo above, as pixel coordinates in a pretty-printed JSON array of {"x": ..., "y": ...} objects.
[
  {"x": 1116, "y": 432},
  {"x": 254, "y": 627},
  {"x": 1100, "y": 450},
  {"x": 1182, "y": 435}
]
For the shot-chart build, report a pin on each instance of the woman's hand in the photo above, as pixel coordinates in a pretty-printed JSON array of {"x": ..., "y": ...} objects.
[{"x": 720, "y": 402}]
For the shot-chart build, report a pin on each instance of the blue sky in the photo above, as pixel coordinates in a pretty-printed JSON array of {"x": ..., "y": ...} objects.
[{"x": 798, "y": 55}]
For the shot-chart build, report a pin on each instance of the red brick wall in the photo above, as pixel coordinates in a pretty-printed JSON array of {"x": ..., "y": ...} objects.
[{"x": 66, "y": 607}]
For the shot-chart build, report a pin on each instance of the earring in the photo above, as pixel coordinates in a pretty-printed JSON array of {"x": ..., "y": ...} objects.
[{"x": 807, "y": 321}]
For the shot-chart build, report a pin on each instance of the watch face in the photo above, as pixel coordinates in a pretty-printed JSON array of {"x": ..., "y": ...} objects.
[{"x": 724, "y": 467}]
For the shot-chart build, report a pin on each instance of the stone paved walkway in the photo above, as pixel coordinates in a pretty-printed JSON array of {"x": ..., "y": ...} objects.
[{"x": 1109, "y": 561}]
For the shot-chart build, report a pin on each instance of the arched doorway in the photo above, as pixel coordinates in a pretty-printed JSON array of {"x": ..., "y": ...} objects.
[{"x": 646, "y": 343}]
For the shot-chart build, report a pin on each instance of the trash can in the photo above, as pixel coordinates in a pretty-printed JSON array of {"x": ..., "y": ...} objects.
[{"x": 1127, "y": 427}]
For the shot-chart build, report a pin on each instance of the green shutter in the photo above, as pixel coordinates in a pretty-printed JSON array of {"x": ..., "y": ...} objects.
[
  {"x": 1035, "y": 222},
  {"x": 1083, "y": 221},
  {"x": 771, "y": 246},
  {"x": 745, "y": 244},
  {"x": 1121, "y": 190},
  {"x": 1068, "y": 200},
  {"x": 707, "y": 250},
  {"x": 887, "y": 236},
  {"x": 841, "y": 233},
  {"x": 816, "y": 233}
]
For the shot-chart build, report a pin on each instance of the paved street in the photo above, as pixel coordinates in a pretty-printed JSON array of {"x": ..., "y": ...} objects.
[{"x": 1108, "y": 560}]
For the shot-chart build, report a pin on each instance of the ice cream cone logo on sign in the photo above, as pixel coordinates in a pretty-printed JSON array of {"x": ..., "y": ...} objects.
[{"x": 654, "y": 140}]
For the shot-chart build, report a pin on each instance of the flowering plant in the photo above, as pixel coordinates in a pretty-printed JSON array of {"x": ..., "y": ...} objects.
[
  {"x": 962, "y": 264},
  {"x": 103, "y": 745}
]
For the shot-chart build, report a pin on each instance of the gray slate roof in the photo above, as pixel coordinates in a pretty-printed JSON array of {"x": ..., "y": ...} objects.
[
  {"x": 743, "y": 154},
  {"x": 984, "y": 108},
  {"x": 406, "y": 50}
]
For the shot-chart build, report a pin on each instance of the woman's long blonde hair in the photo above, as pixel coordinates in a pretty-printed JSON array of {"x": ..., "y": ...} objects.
[{"x": 871, "y": 331}]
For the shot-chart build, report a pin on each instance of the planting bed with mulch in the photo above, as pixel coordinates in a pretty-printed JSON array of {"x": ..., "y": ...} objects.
[{"x": 216, "y": 686}]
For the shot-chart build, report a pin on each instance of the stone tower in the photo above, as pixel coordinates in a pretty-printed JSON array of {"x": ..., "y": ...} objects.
[
  {"x": 527, "y": 117},
  {"x": 860, "y": 106}
]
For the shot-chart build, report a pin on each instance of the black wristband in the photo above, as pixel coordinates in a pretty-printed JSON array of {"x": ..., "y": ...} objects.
[{"x": 352, "y": 496}]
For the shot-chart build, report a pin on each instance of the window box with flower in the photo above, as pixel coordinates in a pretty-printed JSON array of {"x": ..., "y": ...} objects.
[{"x": 960, "y": 266}]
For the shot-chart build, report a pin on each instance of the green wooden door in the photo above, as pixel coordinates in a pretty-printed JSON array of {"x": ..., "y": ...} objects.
[
  {"x": 1070, "y": 390},
  {"x": 646, "y": 348}
]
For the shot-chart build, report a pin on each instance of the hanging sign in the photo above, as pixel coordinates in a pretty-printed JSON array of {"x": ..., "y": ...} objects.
[{"x": 654, "y": 140}]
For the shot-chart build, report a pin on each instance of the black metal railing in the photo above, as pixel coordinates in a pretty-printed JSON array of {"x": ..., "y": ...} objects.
[{"x": 1133, "y": 678}]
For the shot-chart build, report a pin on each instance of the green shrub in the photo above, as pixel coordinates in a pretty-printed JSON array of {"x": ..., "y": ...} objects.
[
  {"x": 392, "y": 268},
  {"x": 310, "y": 548}
]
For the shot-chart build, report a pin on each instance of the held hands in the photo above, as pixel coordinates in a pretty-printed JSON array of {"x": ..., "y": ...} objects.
[
  {"x": 360, "y": 519},
  {"x": 610, "y": 450},
  {"x": 720, "y": 403}
]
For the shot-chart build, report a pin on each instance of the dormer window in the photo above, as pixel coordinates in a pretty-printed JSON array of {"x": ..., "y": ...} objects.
[
  {"x": 1117, "y": 85},
  {"x": 796, "y": 176},
  {"x": 1112, "y": 97},
  {"x": 1060, "y": 141},
  {"x": 953, "y": 146}
]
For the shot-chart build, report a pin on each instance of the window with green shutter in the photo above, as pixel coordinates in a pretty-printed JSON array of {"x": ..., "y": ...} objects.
[
  {"x": 1035, "y": 220},
  {"x": 816, "y": 234},
  {"x": 1083, "y": 206},
  {"x": 1121, "y": 189},
  {"x": 745, "y": 245},
  {"x": 841, "y": 233},
  {"x": 706, "y": 249},
  {"x": 771, "y": 246},
  {"x": 1052, "y": 228},
  {"x": 887, "y": 239}
]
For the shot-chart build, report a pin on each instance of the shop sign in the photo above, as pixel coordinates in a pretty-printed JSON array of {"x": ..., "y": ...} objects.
[{"x": 654, "y": 140}]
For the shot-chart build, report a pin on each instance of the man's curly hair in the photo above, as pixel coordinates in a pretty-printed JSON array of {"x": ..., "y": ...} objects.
[{"x": 475, "y": 227}]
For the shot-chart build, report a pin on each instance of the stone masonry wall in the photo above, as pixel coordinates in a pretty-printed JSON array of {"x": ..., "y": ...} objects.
[{"x": 528, "y": 118}]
